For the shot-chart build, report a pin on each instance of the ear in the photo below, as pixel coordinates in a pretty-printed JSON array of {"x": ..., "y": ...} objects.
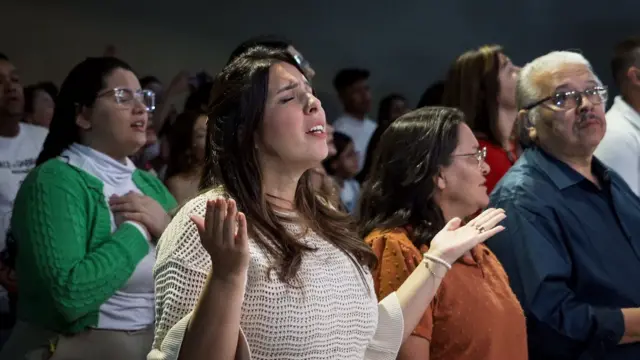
[
  {"x": 440, "y": 181},
  {"x": 523, "y": 119},
  {"x": 83, "y": 115},
  {"x": 633, "y": 75}
]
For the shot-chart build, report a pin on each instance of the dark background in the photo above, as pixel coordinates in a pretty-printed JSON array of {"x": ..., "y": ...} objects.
[{"x": 406, "y": 44}]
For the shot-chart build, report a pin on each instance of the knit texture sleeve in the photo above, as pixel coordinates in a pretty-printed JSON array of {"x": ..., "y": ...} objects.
[
  {"x": 397, "y": 258},
  {"x": 387, "y": 339},
  {"x": 180, "y": 273},
  {"x": 51, "y": 227}
]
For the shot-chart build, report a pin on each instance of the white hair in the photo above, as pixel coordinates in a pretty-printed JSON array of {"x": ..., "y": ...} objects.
[{"x": 527, "y": 92}]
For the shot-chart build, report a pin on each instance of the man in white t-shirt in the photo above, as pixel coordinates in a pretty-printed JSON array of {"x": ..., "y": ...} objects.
[
  {"x": 620, "y": 147},
  {"x": 355, "y": 95},
  {"x": 20, "y": 145}
]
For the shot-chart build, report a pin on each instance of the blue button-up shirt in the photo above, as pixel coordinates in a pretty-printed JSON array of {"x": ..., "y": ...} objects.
[{"x": 572, "y": 253}]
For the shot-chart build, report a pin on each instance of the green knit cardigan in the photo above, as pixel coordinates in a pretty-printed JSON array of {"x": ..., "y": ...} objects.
[{"x": 68, "y": 260}]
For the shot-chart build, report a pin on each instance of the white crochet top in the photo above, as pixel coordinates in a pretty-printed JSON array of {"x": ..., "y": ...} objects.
[{"x": 333, "y": 315}]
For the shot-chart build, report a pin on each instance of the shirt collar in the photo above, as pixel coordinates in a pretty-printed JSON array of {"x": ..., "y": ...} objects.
[
  {"x": 561, "y": 174},
  {"x": 629, "y": 113}
]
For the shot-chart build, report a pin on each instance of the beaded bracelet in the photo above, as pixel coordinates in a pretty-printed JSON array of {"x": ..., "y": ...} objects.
[{"x": 437, "y": 260}]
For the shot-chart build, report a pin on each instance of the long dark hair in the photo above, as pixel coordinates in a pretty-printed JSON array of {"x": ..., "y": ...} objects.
[
  {"x": 384, "y": 120},
  {"x": 78, "y": 90},
  {"x": 235, "y": 111},
  {"x": 181, "y": 156},
  {"x": 400, "y": 190},
  {"x": 473, "y": 86}
]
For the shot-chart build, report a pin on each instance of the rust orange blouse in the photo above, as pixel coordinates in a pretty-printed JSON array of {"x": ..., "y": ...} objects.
[{"x": 474, "y": 314}]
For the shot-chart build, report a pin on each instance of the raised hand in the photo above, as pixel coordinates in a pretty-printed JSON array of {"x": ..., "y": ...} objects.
[
  {"x": 141, "y": 209},
  {"x": 454, "y": 240},
  {"x": 223, "y": 233}
]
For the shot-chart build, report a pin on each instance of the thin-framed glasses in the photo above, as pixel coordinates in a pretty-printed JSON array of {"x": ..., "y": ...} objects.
[
  {"x": 568, "y": 100},
  {"x": 479, "y": 155},
  {"x": 126, "y": 97}
]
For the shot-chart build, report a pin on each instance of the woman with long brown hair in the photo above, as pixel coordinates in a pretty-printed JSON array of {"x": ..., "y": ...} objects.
[
  {"x": 261, "y": 266},
  {"x": 481, "y": 83},
  {"x": 430, "y": 168}
]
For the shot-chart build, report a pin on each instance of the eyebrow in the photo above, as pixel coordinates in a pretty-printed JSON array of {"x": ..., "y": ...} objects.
[
  {"x": 564, "y": 87},
  {"x": 292, "y": 85}
]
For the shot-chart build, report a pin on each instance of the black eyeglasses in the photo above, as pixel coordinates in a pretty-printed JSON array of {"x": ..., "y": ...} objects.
[
  {"x": 568, "y": 100},
  {"x": 479, "y": 155},
  {"x": 126, "y": 97}
]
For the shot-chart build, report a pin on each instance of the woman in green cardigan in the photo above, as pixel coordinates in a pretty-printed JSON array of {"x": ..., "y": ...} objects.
[{"x": 85, "y": 223}]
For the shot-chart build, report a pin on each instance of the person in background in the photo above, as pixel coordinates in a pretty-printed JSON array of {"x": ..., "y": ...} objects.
[
  {"x": 154, "y": 84},
  {"x": 165, "y": 111},
  {"x": 430, "y": 170},
  {"x": 50, "y": 88},
  {"x": 85, "y": 222},
  {"x": 38, "y": 105},
  {"x": 355, "y": 95},
  {"x": 620, "y": 147},
  {"x": 391, "y": 107},
  {"x": 571, "y": 246},
  {"x": 186, "y": 155},
  {"x": 249, "y": 291},
  {"x": 151, "y": 150},
  {"x": 432, "y": 96},
  {"x": 343, "y": 167},
  {"x": 481, "y": 83},
  {"x": 20, "y": 144}
]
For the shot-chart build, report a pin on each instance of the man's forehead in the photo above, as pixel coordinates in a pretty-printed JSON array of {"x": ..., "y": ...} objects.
[{"x": 564, "y": 76}]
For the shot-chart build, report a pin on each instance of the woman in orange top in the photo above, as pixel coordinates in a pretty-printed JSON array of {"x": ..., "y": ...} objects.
[
  {"x": 482, "y": 83},
  {"x": 430, "y": 169}
]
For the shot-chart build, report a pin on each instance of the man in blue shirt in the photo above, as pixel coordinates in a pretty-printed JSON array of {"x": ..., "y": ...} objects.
[{"x": 571, "y": 246}]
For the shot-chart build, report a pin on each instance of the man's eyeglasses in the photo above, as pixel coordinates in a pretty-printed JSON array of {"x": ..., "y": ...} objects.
[
  {"x": 126, "y": 97},
  {"x": 479, "y": 155},
  {"x": 568, "y": 100}
]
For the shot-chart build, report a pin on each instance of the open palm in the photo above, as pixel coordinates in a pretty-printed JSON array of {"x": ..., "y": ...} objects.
[{"x": 455, "y": 240}]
